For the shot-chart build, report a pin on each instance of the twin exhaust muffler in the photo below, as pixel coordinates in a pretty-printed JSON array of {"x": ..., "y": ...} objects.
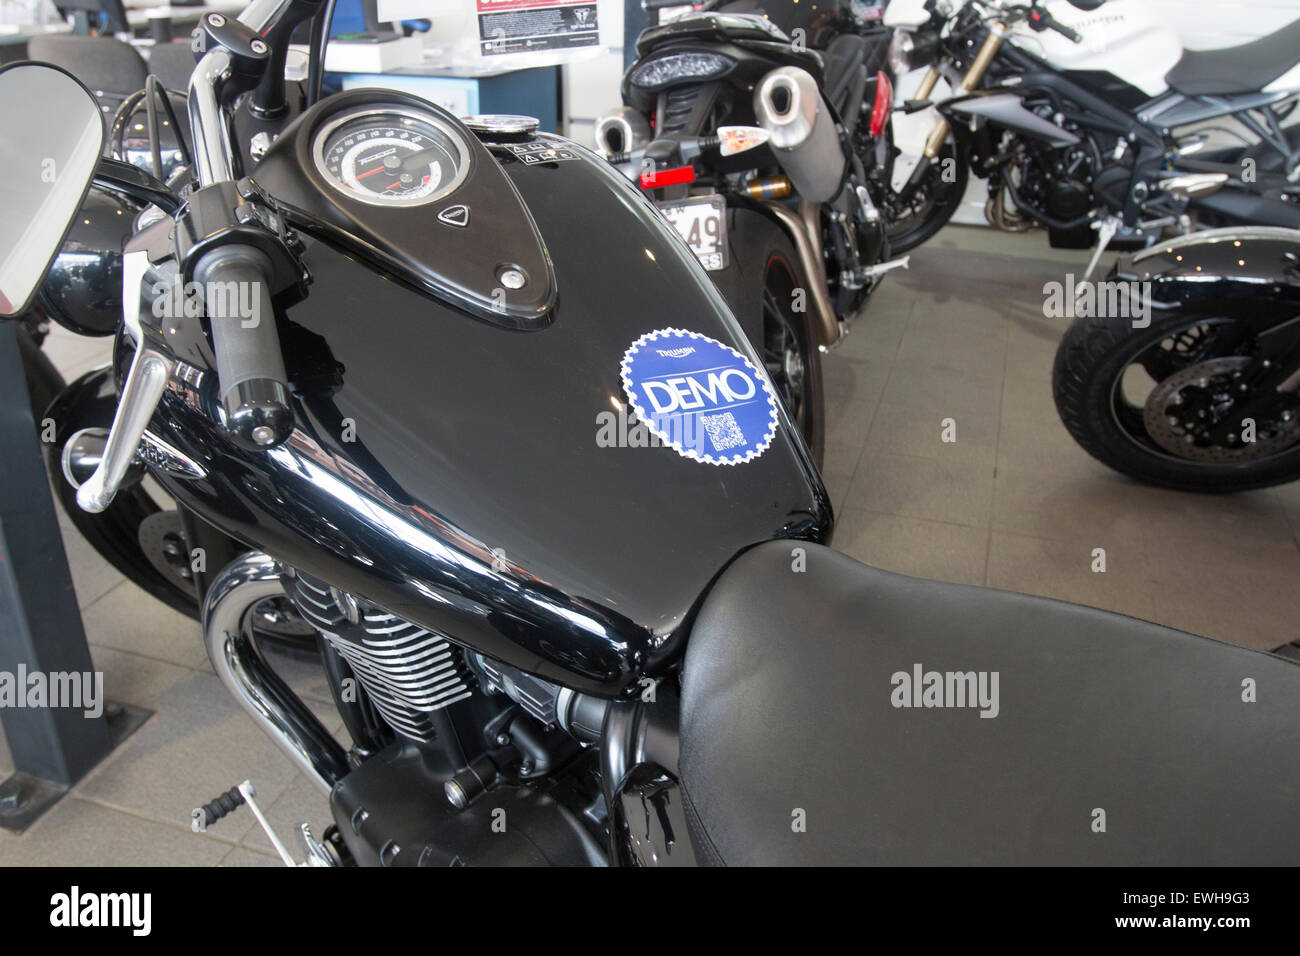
[{"x": 789, "y": 105}]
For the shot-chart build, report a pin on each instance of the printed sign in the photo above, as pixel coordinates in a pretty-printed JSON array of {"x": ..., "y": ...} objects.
[
  {"x": 529, "y": 26},
  {"x": 703, "y": 398}
]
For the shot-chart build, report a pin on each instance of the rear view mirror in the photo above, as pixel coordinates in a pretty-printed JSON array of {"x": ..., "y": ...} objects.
[{"x": 51, "y": 139}]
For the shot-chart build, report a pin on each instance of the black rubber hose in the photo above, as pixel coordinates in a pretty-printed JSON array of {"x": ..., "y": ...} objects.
[{"x": 320, "y": 34}]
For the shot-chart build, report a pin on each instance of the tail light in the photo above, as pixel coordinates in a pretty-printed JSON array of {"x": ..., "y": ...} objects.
[
  {"x": 668, "y": 177},
  {"x": 883, "y": 104}
]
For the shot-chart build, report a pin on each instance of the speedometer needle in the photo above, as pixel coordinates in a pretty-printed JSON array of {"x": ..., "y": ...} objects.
[{"x": 370, "y": 172}]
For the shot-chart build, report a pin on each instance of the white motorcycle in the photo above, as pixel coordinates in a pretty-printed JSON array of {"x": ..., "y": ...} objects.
[{"x": 1089, "y": 118}]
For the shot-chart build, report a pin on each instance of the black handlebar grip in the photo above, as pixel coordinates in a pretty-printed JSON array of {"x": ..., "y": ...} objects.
[
  {"x": 250, "y": 365},
  {"x": 1068, "y": 32},
  {"x": 1041, "y": 20}
]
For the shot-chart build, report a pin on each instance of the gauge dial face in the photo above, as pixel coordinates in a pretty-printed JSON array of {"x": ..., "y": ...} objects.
[{"x": 388, "y": 157}]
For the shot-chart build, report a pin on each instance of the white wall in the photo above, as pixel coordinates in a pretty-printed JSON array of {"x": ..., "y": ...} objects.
[
  {"x": 1207, "y": 24},
  {"x": 591, "y": 86}
]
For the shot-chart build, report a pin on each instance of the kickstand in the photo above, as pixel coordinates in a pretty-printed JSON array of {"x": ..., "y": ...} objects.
[{"x": 1106, "y": 230}]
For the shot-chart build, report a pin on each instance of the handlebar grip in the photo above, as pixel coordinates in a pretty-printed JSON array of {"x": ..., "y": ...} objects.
[
  {"x": 1046, "y": 20},
  {"x": 1068, "y": 32},
  {"x": 235, "y": 280}
]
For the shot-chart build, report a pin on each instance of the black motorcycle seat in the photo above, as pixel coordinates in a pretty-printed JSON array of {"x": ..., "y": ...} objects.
[
  {"x": 1115, "y": 741},
  {"x": 1247, "y": 68}
]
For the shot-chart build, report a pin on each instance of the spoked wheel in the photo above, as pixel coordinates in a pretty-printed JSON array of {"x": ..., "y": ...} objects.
[
  {"x": 793, "y": 362},
  {"x": 1174, "y": 404}
]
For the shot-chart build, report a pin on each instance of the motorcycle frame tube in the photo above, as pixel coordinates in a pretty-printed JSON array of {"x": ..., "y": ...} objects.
[{"x": 234, "y": 592}]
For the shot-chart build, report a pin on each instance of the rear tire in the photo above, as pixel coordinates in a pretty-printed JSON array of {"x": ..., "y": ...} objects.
[{"x": 789, "y": 350}]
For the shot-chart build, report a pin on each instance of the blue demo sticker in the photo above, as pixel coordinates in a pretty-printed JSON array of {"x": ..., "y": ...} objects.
[{"x": 703, "y": 398}]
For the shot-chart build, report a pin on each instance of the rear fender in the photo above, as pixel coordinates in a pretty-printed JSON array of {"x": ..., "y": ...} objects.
[{"x": 1251, "y": 273}]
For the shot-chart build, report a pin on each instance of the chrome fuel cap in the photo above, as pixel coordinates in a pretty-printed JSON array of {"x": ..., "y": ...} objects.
[{"x": 492, "y": 126}]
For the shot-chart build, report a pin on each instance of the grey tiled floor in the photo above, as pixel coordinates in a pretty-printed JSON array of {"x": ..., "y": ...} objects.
[
  {"x": 1014, "y": 503},
  {"x": 1011, "y": 504}
]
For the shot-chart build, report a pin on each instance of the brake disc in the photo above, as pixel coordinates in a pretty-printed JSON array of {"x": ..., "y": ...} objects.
[
  {"x": 1181, "y": 410},
  {"x": 162, "y": 539}
]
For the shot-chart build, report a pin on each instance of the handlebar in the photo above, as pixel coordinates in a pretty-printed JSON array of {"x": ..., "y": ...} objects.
[
  {"x": 250, "y": 366},
  {"x": 1033, "y": 14},
  {"x": 1040, "y": 19},
  {"x": 237, "y": 277}
]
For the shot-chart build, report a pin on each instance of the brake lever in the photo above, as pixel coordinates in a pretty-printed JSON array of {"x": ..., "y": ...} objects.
[{"x": 141, "y": 392}]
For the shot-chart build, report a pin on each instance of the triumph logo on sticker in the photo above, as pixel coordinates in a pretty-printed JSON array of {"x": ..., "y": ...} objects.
[{"x": 702, "y": 397}]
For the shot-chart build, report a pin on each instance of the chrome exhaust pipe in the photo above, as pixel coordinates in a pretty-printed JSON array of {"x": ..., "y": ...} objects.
[
  {"x": 227, "y": 635},
  {"x": 790, "y": 107},
  {"x": 623, "y": 131},
  {"x": 808, "y": 248}
]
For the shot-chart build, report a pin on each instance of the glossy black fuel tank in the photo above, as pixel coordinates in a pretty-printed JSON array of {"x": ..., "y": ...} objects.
[{"x": 449, "y": 469}]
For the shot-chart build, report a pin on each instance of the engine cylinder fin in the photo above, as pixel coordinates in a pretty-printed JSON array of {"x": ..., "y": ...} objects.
[{"x": 408, "y": 671}]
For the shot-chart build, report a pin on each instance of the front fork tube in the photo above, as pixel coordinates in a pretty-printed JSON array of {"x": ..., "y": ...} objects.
[{"x": 939, "y": 134}]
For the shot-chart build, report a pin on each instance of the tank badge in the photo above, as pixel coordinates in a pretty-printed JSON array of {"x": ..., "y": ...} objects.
[{"x": 703, "y": 398}]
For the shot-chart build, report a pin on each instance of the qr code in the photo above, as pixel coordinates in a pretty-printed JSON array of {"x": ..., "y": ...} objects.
[{"x": 723, "y": 431}]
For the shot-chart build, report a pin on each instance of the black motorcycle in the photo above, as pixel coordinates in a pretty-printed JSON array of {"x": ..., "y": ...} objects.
[
  {"x": 1080, "y": 150},
  {"x": 372, "y": 365},
  {"x": 747, "y": 139}
]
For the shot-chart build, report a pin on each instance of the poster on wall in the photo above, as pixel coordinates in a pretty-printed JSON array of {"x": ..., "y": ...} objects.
[
  {"x": 486, "y": 37},
  {"x": 533, "y": 26}
]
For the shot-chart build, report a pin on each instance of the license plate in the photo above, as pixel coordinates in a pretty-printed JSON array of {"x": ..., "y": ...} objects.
[{"x": 702, "y": 222}]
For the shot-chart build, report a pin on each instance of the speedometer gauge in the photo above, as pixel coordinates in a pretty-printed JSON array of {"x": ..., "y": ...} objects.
[{"x": 391, "y": 157}]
